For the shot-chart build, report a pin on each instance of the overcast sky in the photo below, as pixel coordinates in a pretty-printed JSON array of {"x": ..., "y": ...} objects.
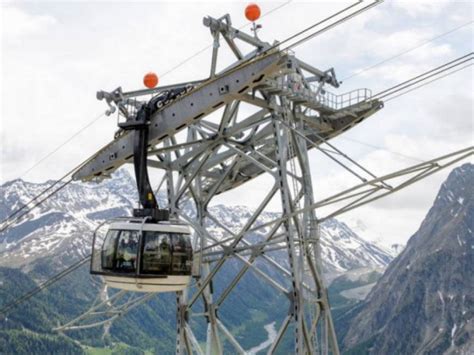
[{"x": 56, "y": 55}]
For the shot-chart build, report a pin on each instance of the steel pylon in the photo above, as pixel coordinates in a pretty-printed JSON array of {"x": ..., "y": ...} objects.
[
  {"x": 307, "y": 315},
  {"x": 259, "y": 115}
]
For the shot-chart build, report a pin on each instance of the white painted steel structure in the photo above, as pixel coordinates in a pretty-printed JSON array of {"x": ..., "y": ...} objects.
[{"x": 258, "y": 116}]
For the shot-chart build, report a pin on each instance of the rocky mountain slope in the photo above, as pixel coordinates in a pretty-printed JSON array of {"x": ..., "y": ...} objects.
[{"x": 424, "y": 303}]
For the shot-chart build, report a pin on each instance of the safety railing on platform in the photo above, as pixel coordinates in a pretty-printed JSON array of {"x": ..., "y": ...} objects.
[
  {"x": 337, "y": 102},
  {"x": 293, "y": 87}
]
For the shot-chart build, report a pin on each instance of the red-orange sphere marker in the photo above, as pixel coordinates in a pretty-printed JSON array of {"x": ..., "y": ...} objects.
[
  {"x": 150, "y": 80},
  {"x": 252, "y": 12}
]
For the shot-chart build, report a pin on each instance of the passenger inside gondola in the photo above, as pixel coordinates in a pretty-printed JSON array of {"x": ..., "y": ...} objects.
[
  {"x": 179, "y": 255},
  {"x": 127, "y": 251},
  {"x": 156, "y": 253},
  {"x": 160, "y": 253}
]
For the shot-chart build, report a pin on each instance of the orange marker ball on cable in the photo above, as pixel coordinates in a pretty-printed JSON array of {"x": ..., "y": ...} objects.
[
  {"x": 150, "y": 80},
  {"x": 252, "y": 12}
]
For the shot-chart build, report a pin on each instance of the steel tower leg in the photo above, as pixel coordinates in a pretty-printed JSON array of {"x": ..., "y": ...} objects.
[
  {"x": 294, "y": 255},
  {"x": 308, "y": 322},
  {"x": 312, "y": 249},
  {"x": 183, "y": 342},
  {"x": 213, "y": 343}
]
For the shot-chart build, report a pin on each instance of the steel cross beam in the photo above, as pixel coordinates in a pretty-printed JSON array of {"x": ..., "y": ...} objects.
[
  {"x": 104, "y": 312},
  {"x": 369, "y": 191}
]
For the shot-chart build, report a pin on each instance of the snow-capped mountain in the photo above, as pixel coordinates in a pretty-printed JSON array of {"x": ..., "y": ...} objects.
[
  {"x": 61, "y": 228},
  {"x": 426, "y": 295},
  {"x": 360, "y": 228}
]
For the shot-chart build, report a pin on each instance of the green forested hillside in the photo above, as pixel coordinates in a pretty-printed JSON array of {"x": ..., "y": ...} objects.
[
  {"x": 150, "y": 327},
  {"x": 29, "y": 326},
  {"x": 17, "y": 341}
]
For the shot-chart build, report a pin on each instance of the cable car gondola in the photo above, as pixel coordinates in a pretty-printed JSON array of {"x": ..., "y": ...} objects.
[
  {"x": 144, "y": 257},
  {"x": 147, "y": 252}
]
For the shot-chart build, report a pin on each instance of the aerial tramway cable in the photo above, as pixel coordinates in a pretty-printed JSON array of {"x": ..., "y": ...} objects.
[
  {"x": 428, "y": 82},
  {"x": 7, "y": 222},
  {"x": 320, "y": 22},
  {"x": 435, "y": 74},
  {"x": 43, "y": 159},
  {"x": 426, "y": 75},
  {"x": 202, "y": 50},
  {"x": 17, "y": 219},
  {"x": 94, "y": 120},
  {"x": 372, "y": 66},
  {"x": 332, "y": 25},
  {"x": 44, "y": 285}
]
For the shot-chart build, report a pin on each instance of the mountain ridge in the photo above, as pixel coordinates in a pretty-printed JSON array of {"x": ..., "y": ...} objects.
[
  {"x": 71, "y": 215},
  {"x": 426, "y": 295}
]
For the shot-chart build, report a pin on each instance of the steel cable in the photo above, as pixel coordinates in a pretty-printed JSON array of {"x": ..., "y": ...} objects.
[
  {"x": 338, "y": 22},
  {"x": 44, "y": 285},
  {"x": 428, "y": 82},
  {"x": 370, "y": 67},
  {"x": 17, "y": 219},
  {"x": 421, "y": 77}
]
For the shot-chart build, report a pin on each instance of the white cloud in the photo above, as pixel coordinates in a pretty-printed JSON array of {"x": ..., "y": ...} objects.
[
  {"x": 18, "y": 23},
  {"x": 422, "y": 7}
]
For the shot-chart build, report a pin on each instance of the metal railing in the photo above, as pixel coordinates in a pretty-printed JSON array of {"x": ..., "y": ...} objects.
[
  {"x": 296, "y": 90},
  {"x": 337, "y": 102}
]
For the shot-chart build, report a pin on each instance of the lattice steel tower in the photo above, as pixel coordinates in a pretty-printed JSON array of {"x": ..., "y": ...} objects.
[{"x": 258, "y": 116}]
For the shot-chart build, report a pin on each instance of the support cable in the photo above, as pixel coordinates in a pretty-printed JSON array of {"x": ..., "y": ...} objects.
[
  {"x": 338, "y": 22},
  {"x": 36, "y": 197},
  {"x": 370, "y": 67},
  {"x": 98, "y": 117},
  {"x": 399, "y": 95},
  {"x": 202, "y": 50},
  {"x": 314, "y": 25},
  {"x": 44, "y": 285},
  {"x": 422, "y": 77},
  {"x": 413, "y": 89},
  {"x": 429, "y": 82},
  {"x": 43, "y": 159},
  {"x": 17, "y": 219},
  {"x": 381, "y": 148},
  {"x": 8, "y": 222}
]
